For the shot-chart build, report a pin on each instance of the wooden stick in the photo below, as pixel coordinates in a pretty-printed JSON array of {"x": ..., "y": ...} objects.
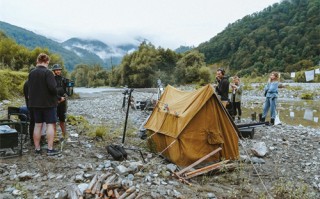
[
  {"x": 92, "y": 183},
  {"x": 206, "y": 168},
  {"x": 125, "y": 194},
  {"x": 77, "y": 190},
  {"x": 198, "y": 161},
  {"x": 110, "y": 179},
  {"x": 97, "y": 187},
  {"x": 131, "y": 189},
  {"x": 72, "y": 193},
  {"x": 210, "y": 169},
  {"x": 140, "y": 195},
  {"x": 112, "y": 185},
  {"x": 116, "y": 193},
  {"x": 132, "y": 195},
  {"x": 110, "y": 192}
]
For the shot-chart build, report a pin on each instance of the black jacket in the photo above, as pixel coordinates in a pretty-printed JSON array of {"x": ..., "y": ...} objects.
[
  {"x": 61, "y": 86},
  {"x": 223, "y": 89},
  {"x": 42, "y": 88}
]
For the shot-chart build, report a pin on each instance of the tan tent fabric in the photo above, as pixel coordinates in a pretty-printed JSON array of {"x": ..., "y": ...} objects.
[{"x": 195, "y": 123}]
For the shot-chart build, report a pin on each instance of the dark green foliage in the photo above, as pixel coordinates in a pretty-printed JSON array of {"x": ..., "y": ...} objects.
[
  {"x": 90, "y": 76},
  {"x": 275, "y": 39},
  {"x": 11, "y": 83}
]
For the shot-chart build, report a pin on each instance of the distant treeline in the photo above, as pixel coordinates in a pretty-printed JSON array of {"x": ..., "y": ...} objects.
[{"x": 143, "y": 67}]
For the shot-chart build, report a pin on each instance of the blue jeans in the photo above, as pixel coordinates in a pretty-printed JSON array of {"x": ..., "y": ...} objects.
[{"x": 272, "y": 104}]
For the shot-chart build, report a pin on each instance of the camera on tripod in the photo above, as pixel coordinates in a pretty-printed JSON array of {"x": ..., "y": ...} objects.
[{"x": 69, "y": 86}]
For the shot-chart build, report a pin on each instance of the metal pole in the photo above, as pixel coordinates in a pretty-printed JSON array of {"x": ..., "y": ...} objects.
[{"x": 125, "y": 122}]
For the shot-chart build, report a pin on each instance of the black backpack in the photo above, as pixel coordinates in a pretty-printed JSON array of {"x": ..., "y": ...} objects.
[{"x": 117, "y": 152}]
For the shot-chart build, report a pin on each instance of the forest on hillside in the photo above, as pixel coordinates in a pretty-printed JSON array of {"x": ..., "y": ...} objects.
[{"x": 283, "y": 37}]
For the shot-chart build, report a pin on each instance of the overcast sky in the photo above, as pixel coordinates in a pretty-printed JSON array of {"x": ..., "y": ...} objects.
[{"x": 166, "y": 23}]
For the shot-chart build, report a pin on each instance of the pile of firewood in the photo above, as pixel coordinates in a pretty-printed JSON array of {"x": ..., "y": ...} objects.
[{"x": 105, "y": 186}]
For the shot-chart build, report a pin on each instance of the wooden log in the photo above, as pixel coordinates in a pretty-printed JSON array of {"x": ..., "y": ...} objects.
[
  {"x": 101, "y": 192},
  {"x": 77, "y": 190},
  {"x": 72, "y": 194},
  {"x": 132, "y": 195},
  {"x": 116, "y": 193},
  {"x": 111, "y": 185},
  {"x": 140, "y": 195},
  {"x": 92, "y": 183},
  {"x": 124, "y": 195},
  {"x": 207, "y": 167},
  {"x": 198, "y": 161},
  {"x": 131, "y": 189},
  {"x": 110, "y": 193},
  {"x": 96, "y": 189},
  {"x": 110, "y": 179}
]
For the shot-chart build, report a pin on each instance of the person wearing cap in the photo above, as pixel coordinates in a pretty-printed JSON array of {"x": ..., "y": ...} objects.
[{"x": 62, "y": 102}]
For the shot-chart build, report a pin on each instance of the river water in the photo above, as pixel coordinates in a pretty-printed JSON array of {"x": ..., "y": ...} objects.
[{"x": 293, "y": 112}]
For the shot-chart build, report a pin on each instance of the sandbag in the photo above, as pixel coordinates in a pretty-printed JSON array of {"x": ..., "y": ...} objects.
[{"x": 117, "y": 152}]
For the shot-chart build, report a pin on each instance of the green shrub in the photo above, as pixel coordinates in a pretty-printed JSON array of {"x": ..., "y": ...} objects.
[
  {"x": 307, "y": 96},
  {"x": 11, "y": 83},
  {"x": 293, "y": 88}
]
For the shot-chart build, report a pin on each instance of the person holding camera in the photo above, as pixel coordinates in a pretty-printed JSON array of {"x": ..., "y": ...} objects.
[
  {"x": 62, "y": 98},
  {"x": 271, "y": 94}
]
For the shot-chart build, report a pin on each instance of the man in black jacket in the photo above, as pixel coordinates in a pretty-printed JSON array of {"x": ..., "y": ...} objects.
[
  {"x": 43, "y": 100},
  {"x": 222, "y": 88},
  {"x": 62, "y": 93}
]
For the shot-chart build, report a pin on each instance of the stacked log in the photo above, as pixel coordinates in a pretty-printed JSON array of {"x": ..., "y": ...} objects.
[{"x": 105, "y": 186}]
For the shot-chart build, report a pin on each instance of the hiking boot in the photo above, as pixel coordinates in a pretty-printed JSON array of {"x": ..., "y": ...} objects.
[
  {"x": 239, "y": 119},
  {"x": 38, "y": 151},
  {"x": 272, "y": 121},
  {"x": 52, "y": 152}
]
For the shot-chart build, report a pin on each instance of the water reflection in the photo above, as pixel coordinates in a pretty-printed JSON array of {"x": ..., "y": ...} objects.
[{"x": 295, "y": 112}]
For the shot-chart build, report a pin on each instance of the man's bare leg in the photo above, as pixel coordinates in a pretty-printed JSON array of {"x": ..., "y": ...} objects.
[
  {"x": 50, "y": 135},
  {"x": 37, "y": 135}
]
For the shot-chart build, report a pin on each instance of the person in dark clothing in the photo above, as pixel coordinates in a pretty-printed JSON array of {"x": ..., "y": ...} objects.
[
  {"x": 43, "y": 100},
  {"x": 62, "y": 93},
  {"x": 222, "y": 87},
  {"x": 31, "y": 118}
]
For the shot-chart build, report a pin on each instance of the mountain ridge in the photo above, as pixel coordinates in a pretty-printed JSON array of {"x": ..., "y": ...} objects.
[{"x": 74, "y": 50}]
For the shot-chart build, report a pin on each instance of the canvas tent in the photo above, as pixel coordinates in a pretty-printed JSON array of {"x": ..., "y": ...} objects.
[{"x": 192, "y": 124}]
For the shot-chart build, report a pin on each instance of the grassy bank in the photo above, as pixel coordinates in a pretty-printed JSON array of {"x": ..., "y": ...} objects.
[{"x": 11, "y": 84}]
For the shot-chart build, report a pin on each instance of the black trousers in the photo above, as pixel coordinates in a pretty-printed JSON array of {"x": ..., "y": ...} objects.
[{"x": 236, "y": 108}]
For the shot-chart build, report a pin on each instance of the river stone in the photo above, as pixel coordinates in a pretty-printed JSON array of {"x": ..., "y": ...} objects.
[{"x": 259, "y": 149}]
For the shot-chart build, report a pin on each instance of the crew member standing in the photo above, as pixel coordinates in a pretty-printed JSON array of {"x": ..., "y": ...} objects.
[
  {"x": 62, "y": 94},
  {"x": 43, "y": 101},
  {"x": 222, "y": 88},
  {"x": 236, "y": 97}
]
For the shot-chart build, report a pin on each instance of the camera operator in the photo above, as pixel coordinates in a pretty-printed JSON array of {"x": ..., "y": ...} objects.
[{"x": 62, "y": 99}]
